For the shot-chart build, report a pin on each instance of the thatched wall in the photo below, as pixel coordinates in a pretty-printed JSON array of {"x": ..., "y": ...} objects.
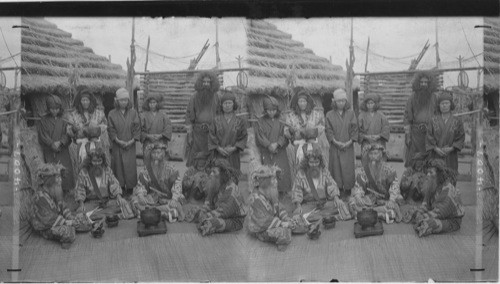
[
  {"x": 492, "y": 53},
  {"x": 33, "y": 155},
  {"x": 50, "y": 56}
]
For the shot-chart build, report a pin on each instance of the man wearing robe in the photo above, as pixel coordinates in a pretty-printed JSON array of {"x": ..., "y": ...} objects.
[
  {"x": 413, "y": 178},
  {"x": 155, "y": 125},
  {"x": 442, "y": 209},
  {"x": 314, "y": 187},
  {"x": 342, "y": 132},
  {"x": 54, "y": 139},
  {"x": 159, "y": 186},
  {"x": 419, "y": 110},
  {"x": 373, "y": 125},
  {"x": 50, "y": 216},
  {"x": 98, "y": 187},
  {"x": 124, "y": 130},
  {"x": 377, "y": 187},
  {"x": 272, "y": 143},
  {"x": 200, "y": 114},
  {"x": 445, "y": 132},
  {"x": 196, "y": 177},
  {"x": 267, "y": 220},
  {"x": 225, "y": 211}
]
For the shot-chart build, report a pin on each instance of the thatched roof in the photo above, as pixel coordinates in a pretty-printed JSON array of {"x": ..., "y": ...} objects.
[
  {"x": 273, "y": 57},
  {"x": 491, "y": 53},
  {"x": 49, "y": 56}
]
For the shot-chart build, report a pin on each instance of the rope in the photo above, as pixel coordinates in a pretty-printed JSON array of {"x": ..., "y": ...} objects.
[
  {"x": 8, "y": 112},
  {"x": 470, "y": 48},
  {"x": 8, "y": 49}
]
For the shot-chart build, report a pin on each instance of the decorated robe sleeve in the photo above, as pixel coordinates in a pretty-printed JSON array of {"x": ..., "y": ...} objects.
[
  {"x": 331, "y": 186},
  {"x": 113, "y": 184},
  {"x": 298, "y": 189},
  {"x": 177, "y": 189},
  {"x": 447, "y": 204},
  {"x": 103, "y": 122},
  {"x": 361, "y": 183},
  {"x": 65, "y": 139},
  {"x": 143, "y": 127},
  {"x": 353, "y": 128},
  {"x": 362, "y": 128},
  {"x": 431, "y": 140},
  {"x": 241, "y": 135},
  {"x": 394, "y": 192},
  {"x": 213, "y": 138},
  {"x": 261, "y": 219},
  {"x": 260, "y": 135},
  {"x": 386, "y": 128},
  {"x": 459, "y": 135},
  {"x": 48, "y": 216},
  {"x": 231, "y": 207},
  {"x": 282, "y": 141},
  {"x": 142, "y": 187},
  {"x": 320, "y": 122},
  {"x": 81, "y": 187}
]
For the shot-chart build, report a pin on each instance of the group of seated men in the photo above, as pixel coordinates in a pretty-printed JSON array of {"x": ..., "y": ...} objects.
[{"x": 223, "y": 208}]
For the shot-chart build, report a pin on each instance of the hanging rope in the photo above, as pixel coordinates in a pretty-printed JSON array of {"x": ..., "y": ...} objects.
[{"x": 8, "y": 49}]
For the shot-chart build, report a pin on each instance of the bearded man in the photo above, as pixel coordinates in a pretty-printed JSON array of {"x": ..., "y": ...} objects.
[
  {"x": 98, "y": 187},
  {"x": 159, "y": 186},
  {"x": 314, "y": 186},
  {"x": 224, "y": 210},
  {"x": 50, "y": 216},
  {"x": 413, "y": 178},
  {"x": 419, "y": 110},
  {"x": 377, "y": 187},
  {"x": 442, "y": 209},
  {"x": 200, "y": 114},
  {"x": 267, "y": 220},
  {"x": 196, "y": 177}
]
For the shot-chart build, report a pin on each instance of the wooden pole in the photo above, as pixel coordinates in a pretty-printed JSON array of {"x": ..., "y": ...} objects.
[
  {"x": 349, "y": 67},
  {"x": 438, "y": 60},
  {"x": 217, "y": 57},
  {"x": 130, "y": 66},
  {"x": 367, "y": 49},
  {"x": 147, "y": 56}
]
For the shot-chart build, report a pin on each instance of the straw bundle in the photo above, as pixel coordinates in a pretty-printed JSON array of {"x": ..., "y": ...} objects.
[
  {"x": 32, "y": 152},
  {"x": 489, "y": 194},
  {"x": 491, "y": 53}
]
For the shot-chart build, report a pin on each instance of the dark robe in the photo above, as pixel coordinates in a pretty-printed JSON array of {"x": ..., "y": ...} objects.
[
  {"x": 418, "y": 121},
  {"x": 199, "y": 117},
  {"x": 449, "y": 134},
  {"x": 52, "y": 129},
  {"x": 268, "y": 131},
  {"x": 224, "y": 134},
  {"x": 373, "y": 125},
  {"x": 343, "y": 128},
  {"x": 123, "y": 161},
  {"x": 154, "y": 124}
]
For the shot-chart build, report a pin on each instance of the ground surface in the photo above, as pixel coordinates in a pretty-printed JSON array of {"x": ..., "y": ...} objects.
[{"x": 182, "y": 254}]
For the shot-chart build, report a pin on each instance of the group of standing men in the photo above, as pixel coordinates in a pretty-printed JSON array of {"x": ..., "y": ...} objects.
[{"x": 216, "y": 136}]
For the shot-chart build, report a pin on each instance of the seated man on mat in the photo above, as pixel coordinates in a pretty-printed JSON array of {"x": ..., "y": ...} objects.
[
  {"x": 50, "y": 216},
  {"x": 224, "y": 210},
  {"x": 267, "y": 220},
  {"x": 442, "y": 209},
  {"x": 377, "y": 187},
  {"x": 196, "y": 177},
  {"x": 412, "y": 179},
  {"x": 98, "y": 188},
  {"x": 159, "y": 185},
  {"x": 314, "y": 186}
]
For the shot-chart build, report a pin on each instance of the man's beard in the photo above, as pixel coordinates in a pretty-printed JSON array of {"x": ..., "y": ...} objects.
[
  {"x": 212, "y": 188},
  {"x": 422, "y": 98},
  {"x": 314, "y": 172},
  {"x": 97, "y": 171},
  {"x": 205, "y": 96},
  {"x": 375, "y": 167},
  {"x": 157, "y": 167},
  {"x": 271, "y": 194},
  {"x": 429, "y": 188},
  {"x": 56, "y": 192}
]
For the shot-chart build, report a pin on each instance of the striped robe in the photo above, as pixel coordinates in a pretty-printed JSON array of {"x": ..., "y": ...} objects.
[
  {"x": 326, "y": 189},
  {"x": 85, "y": 190}
]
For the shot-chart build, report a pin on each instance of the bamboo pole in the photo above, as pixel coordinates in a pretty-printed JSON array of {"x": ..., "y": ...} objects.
[{"x": 147, "y": 56}]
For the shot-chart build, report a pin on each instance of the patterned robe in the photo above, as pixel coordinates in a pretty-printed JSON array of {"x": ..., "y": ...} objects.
[
  {"x": 158, "y": 123},
  {"x": 269, "y": 131},
  {"x": 146, "y": 192},
  {"x": 123, "y": 162},
  {"x": 50, "y": 219},
  {"x": 372, "y": 125},
  {"x": 199, "y": 117},
  {"x": 229, "y": 212},
  {"x": 326, "y": 187},
  {"x": 366, "y": 194},
  {"x": 449, "y": 134},
  {"x": 52, "y": 129},
  {"x": 78, "y": 150},
  {"x": 316, "y": 119},
  {"x": 264, "y": 220},
  {"x": 443, "y": 213},
  {"x": 343, "y": 128},
  {"x": 418, "y": 121},
  {"x": 108, "y": 189},
  {"x": 224, "y": 134}
]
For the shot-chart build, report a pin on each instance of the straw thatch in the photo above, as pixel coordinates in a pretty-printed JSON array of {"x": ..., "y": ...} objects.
[
  {"x": 275, "y": 60},
  {"x": 492, "y": 54},
  {"x": 50, "y": 57}
]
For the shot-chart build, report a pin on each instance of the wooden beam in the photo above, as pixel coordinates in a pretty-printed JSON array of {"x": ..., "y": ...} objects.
[
  {"x": 417, "y": 71},
  {"x": 192, "y": 71}
]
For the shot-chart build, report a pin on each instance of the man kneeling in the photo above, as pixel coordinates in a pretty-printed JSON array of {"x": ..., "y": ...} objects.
[
  {"x": 50, "y": 216},
  {"x": 159, "y": 186},
  {"x": 98, "y": 187},
  {"x": 377, "y": 187},
  {"x": 442, "y": 209},
  {"x": 225, "y": 212},
  {"x": 267, "y": 220}
]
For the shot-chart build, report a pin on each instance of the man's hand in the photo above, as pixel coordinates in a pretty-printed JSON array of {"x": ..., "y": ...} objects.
[
  {"x": 407, "y": 139},
  {"x": 222, "y": 151},
  {"x": 230, "y": 150},
  {"x": 337, "y": 201},
  {"x": 274, "y": 147},
  {"x": 447, "y": 150},
  {"x": 298, "y": 210},
  {"x": 286, "y": 224},
  {"x": 440, "y": 152}
]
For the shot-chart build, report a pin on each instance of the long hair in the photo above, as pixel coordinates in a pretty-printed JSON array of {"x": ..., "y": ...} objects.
[
  {"x": 304, "y": 164},
  {"x": 87, "y": 163},
  {"x": 56, "y": 100},
  {"x": 294, "y": 104},
  {"x": 157, "y": 98},
  {"x": 214, "y": 81},
  {"x": 227, "y": 174},
  {"x": 77, "y": 102},
  {"x": 221, "y": 102},
  {"x": 362, "y": 105},
  {"x": 444, "y": 174}
]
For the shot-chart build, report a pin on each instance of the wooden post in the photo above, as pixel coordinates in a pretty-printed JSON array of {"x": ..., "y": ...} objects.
[
  {"x": 147, "y": 57},
  {"x": 217, "y": 57},
  {"x": 367, "y": 49},
  {"x": 438, "y": 60},
  {"x": 349, "y": 68},
  {"x": 130, "y": 66}
]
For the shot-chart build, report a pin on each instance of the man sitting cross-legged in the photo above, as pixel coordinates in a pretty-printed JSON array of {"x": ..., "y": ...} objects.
[
  {"x": 377, "y": 187},
  {"x": 159, "y": 185},
  {"x": 224, "y": 210},
  {"x": 267, "y": 220},
  {"x": 442, "y": 209},
  {"x": 98, "y": 187}
]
